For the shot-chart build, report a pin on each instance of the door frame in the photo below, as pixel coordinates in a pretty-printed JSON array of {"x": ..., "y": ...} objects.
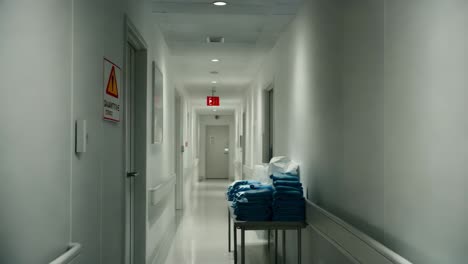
[
  {"x": 134, "y": 243},
  {"x": 206, "y": 150}
]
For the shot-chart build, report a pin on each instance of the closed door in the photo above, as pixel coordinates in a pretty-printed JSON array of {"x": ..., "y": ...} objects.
[
  {"x": 217, "y": 152},
  {"x": 179, "y": 153}
]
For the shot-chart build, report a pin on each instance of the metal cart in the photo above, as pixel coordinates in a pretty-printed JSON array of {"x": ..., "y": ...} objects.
[{"x": 268, "y": 226}]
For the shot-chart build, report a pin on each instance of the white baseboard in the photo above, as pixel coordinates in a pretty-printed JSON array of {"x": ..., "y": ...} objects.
[
  {"x": 354, "y": 244},
  {"x": 160, "y": 254}
]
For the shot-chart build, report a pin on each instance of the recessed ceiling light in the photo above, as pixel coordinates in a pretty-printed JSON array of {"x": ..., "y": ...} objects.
[
  {"x": 214, "y": 82},
  {"x": 215, "y": 60},
  {"x": 214, "y": 110},
  {"x": 219, "y": 3},
  {"x": 215, "y": 39}
]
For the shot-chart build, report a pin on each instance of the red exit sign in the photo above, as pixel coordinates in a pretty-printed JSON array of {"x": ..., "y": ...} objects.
[{"x": 212, "y": 100}]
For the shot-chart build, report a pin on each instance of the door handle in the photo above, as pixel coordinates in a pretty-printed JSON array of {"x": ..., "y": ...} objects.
[{"x": 132, "y": 174}]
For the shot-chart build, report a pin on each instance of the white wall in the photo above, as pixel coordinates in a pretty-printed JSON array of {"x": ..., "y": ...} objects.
[
  {"x": 426, "y": 139},
  {"x": 35, "y": 130},
  {"x": 160, "y": 162},
  {"x": 99, "y": 32},
  {"x": 98, "y": 174},
  {"x": 51, "y": 74},
  {"x": 370, "y": 100}
]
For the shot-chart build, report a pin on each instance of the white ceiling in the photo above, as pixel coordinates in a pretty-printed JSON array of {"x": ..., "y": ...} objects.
[
  {"x": 219, "y": 112},
  {"x": 250, "y": 29}
]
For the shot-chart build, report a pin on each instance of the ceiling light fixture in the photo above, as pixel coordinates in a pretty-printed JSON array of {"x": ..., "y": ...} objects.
[
  {"x": 215, "y": 60},
  {"x": 214, "y": 110},
  {"x": 215, "y": 39},
  {"x": 214, "y": 82},
  {"x": 219, "y": 3}
]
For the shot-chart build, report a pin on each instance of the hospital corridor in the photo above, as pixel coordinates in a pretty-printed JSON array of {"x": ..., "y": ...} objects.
[{"x": 233, "y": 132}]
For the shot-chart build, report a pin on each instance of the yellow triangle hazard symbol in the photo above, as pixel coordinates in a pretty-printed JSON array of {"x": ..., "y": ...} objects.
[{"x": 112, "y": 88}]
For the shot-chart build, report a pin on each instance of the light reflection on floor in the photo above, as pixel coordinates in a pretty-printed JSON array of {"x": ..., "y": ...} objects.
[{"x": 202, "y": 234}]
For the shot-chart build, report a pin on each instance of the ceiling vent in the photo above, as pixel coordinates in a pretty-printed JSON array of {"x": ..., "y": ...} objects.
[{"x": 215, "y": 39}]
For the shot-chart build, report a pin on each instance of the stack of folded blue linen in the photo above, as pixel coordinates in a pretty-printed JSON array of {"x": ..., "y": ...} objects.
[
  {"x": 239, "y": 186},
  {"x": 288, "y": 198},
  {"x": 254, "y": 204}
]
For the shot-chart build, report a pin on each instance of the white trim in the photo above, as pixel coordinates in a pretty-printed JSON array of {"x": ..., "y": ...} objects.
[
  {"x": 73, "y": 251},
  {"x": 161, "y": 252},
  {"x": 357, "y": 246},
  {"x": 134, "y": 38},
  {"x": 161, "y": 191}
]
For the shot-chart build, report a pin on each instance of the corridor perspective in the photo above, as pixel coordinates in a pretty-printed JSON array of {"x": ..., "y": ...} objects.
[{"x": 235, "y": 131}]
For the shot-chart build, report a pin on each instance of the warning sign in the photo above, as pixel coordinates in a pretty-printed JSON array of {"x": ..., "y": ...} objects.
[{"x": 112, "y": 89}]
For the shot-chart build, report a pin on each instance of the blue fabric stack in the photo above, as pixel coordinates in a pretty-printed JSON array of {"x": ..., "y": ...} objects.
[
  {"x": 240, "y": 186},
  {"x": 288, "y": 198},
  {"x": 254, "y": 204}
]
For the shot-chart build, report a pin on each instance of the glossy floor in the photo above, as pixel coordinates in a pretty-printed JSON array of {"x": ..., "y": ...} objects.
[{"x": 202, "y": 236}]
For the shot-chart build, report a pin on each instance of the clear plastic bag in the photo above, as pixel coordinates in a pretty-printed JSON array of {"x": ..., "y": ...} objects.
[
  {"x": 282, "y": 165},
  {"x": 260, "y": 174}
]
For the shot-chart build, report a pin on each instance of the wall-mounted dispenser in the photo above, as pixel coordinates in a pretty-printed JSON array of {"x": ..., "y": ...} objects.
[{"x": 81, "y": 136}]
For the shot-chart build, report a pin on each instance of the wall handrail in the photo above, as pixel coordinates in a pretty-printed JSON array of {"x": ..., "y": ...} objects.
[
  {"x": 72, "y": 252},
  {"x": 354, "y": 242},
  {"x": 159, "y": 192}
]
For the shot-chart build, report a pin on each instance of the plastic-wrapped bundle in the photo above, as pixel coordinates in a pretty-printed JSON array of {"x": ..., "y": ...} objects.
[
  {"x": 288, "y": 198},
  {"x": 238, "y": 186},
  {"x": 254, "y": 205}
]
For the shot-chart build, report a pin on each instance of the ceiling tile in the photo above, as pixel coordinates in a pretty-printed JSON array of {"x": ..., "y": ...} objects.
[{"x": 250, "y": 28}]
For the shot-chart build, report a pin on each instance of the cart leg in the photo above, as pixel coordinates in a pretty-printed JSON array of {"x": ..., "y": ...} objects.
[
  {"x": 284, "y": 246},
  {"x": 276, "y": 246},
  {"x": 299, "y": 246},
  {"x": 229, "y": 231},
  {"x": 243, "y": 245},
  {"x": 235, "y": 244},
  {"x": 269, "y": 233}
]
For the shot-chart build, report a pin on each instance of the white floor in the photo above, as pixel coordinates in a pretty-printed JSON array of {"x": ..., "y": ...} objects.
[{"x": 202, "y": 236}]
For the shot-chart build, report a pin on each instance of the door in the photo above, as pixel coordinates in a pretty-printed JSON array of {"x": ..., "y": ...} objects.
[
  {"x": 130, "y": 154},
  {"x": 179, "y": 151},
  {"x": 217, "y": 152},
  {"x": 271, "y": 124},
  {"x": 268, "y": 124},
  {"x": 243, "y": 139}
]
